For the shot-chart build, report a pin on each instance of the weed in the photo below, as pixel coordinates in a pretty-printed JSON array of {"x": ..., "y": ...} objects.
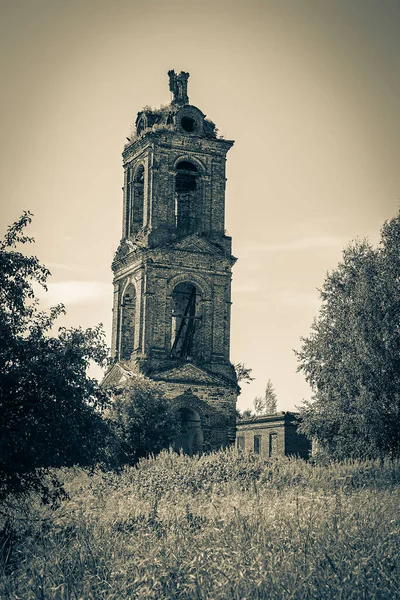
[{"x": 221, "y": 526}]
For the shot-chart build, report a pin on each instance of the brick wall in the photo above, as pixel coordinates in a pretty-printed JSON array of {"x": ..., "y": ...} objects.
[
  {"x": 159, "y": 255},
  {"x": 216, "y": 406},
  {"x": 278, "y": 436}
]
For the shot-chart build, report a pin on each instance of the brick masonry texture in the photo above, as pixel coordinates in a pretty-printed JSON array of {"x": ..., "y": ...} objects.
[
  {"x": 173, "y": 236},
  {"x": 173, "y": 241},
  {"x": 278, "y": 436}
]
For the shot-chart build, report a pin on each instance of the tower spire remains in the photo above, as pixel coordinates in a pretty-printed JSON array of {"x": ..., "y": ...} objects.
[{"x": 178, "y": 86}]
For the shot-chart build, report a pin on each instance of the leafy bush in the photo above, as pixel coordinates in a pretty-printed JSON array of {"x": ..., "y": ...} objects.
[{"x": 143, "y": 420}]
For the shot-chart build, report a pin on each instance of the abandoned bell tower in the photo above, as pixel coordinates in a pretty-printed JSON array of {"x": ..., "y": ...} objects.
[{"x": 172, "y": 270}]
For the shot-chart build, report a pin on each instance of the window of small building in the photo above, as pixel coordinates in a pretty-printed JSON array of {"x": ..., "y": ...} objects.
[
  {"x": 273, "y": 444},
  {"x": 257, "y": 444},
  {"x": 240, "y": 442}
]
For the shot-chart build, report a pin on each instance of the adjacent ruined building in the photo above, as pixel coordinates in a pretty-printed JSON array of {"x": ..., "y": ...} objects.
[
  {"x": 272, "y": 435},
  {"x": 172, "y": 270}
]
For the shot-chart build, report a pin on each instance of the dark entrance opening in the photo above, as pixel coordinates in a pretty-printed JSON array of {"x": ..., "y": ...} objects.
[{"x": 190, "y": 439}]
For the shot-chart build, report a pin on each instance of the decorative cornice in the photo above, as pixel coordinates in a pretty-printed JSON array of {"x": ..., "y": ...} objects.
[{"x": 191, "y": 374}]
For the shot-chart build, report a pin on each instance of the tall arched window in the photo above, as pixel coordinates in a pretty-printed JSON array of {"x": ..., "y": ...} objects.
[
  {"x": 186, "y": 321},
  {"x": 187, "y": 205},
  {"x": 129, "y": 200},
  {"x": 128, "y": 322},
  {"x": 137, "y": 200},
  {"x": 141, "y": 125}
]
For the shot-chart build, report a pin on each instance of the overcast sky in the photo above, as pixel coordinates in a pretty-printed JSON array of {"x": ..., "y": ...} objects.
[{"x": 308, "y": 89}]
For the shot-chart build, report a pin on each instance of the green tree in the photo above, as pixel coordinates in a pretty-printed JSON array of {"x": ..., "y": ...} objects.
[
  {"x": 243, "y": 373},
  {"x": 144, "y": 421},
  {"x": 245, "y": 414},
  {"x": 352, "y": 357},
  {"x": 48, "y": 404},
  {"x": 266, "y": 405}
]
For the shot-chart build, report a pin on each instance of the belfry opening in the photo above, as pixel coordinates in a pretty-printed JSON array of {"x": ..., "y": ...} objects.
[
  {"x": 186, "y": 197},
  {"x": 186, "y": 321},
  {"x": 137, "y": 200},
  {"x": 128, "y": 322}
]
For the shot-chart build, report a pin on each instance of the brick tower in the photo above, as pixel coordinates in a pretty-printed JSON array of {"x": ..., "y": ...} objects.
[{"x": 172, "y": 270}]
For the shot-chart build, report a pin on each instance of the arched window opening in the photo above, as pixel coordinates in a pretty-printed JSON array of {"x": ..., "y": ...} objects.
[
  {"x": 190, "y": 438},
  {"x": 128, "y": 322},
  {"x": 141, "y": 126},
  {"x": 185, "y": 165},
  {"x": 137, "y": 200},
  {"x": 186, "y": 197},
  {"x": 186, "y": 321},
  {"x": 129, "y": 200},
  {"x": 188, "y": 124}
]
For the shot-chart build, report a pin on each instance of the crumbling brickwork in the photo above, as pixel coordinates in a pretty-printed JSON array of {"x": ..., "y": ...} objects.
[{"x": 172, "y": 271}]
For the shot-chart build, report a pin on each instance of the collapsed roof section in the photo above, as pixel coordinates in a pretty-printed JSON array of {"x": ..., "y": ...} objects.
[{"x": 178, "y": 116}]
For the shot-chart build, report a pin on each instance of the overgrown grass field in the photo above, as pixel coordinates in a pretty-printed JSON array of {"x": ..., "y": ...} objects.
[{"x": 222, "y": 526}]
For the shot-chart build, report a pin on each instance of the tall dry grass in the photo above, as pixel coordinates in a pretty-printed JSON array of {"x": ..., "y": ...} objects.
[{"x": 217, "y": 527}]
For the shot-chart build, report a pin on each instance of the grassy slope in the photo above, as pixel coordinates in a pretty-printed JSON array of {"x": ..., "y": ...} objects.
[{"x": 219, "y": 527}]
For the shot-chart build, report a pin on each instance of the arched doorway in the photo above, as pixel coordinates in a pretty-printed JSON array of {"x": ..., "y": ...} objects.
[{"x": 190, "y": 438}]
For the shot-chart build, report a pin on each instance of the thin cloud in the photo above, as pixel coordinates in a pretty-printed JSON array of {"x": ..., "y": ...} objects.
[
  {"x": 278, "y": 295},
  {"x": 65, "y": 267},
  {"x": 247, "y": 288},
  {"x": 299, "y": 244},
  {"x": 300, "y": 299},
  {"x": 305, "y": 243},
  {"x": 75, "y": 292}
]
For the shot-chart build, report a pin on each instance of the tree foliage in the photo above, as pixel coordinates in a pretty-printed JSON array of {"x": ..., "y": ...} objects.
[
  {"x": 243, "y": 373},
  {"x": 245, "y": 414},
  {"x": 143, "y": 419},
  {"x": 352, "y": 357},
  {"x": 48, "y": 404},
  {"x": 266, "y": 405}
]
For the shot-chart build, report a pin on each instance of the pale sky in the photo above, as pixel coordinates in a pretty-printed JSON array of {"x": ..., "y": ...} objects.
[{"x": 308, "y": 89}]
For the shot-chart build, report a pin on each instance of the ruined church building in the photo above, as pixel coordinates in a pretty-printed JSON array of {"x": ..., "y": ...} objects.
[{"x": 173, "y": 270}]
